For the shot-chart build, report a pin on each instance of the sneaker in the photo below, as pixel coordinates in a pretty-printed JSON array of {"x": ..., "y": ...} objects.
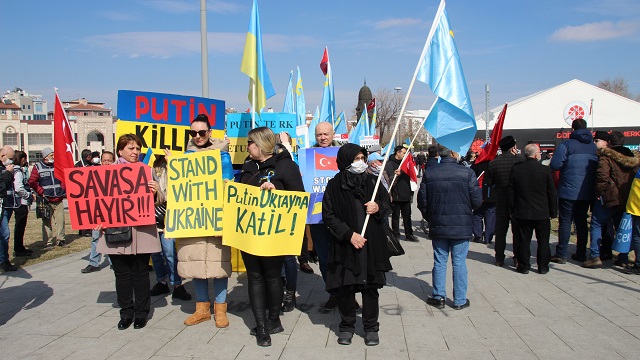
[
  {"x": 594, "y": 263},
  {"x": 159, "y": 289},
  {"x": 48, "y": 247},
  {"x": 463, "y": 306},
  {"x": 90, "y": 269},
  {"x": 62, "y": 244},
  {"x": 179, "y": 292},
  {"x": 331, "y": 304},
  {"x": 558, "y": 260},
  {"x": 437, "y": 303},
  {"x": 631, "y": 270},
  {"x": 7, "y": 266}
]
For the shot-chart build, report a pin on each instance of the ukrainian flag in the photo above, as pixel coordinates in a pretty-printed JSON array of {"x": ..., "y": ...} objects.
[{"x": 253, "y": 63}]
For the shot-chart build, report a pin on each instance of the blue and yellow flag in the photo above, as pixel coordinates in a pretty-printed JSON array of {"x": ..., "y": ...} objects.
[
  {"x": 340, "y": 126},
  {"x": 451, "y": 120},
  {"x": 300, "y": 104},
  {"x": 361, "y": 130},
  {"x": 253, "y": 64}
]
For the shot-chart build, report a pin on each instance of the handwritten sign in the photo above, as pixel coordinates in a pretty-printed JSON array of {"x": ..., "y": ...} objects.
[
  {"x": 162, "y": 121},
  {"x": 318, "y": 166},
  {"x": 194, "y": 195},
  {"x": 264, "y": 223},
  {"x": 115, "y": 195},
  {"x": 239, "y": 124}
]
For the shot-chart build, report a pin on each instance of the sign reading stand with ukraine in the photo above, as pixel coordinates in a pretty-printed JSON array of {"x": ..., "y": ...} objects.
[{"x": 162, "y": 121}]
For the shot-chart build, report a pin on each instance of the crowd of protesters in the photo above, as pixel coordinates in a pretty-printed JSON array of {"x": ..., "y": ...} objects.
[{"x": 517, "y": 190}]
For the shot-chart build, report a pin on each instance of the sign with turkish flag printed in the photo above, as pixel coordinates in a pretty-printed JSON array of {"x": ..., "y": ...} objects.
[
  {"x": 318, "y": 166},
  {"x": 111, "y": 196}
]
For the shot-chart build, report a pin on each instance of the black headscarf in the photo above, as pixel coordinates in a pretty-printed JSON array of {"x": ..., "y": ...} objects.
[{"x": 350, "y": 181}]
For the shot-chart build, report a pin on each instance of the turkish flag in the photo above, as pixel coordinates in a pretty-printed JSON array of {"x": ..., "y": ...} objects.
[
  {"x": 324, "y": 63},
  {"x": 371, "y": 105},
  {"x": 62, "y": 141},
  {"x": 409, "y": 167},
  {"x": 324, "y": 162},
  {"x": 491, "y": 148}
]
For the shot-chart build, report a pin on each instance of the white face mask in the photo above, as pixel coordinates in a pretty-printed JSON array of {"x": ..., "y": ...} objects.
[
  {"x": 95, "y": 160},
  {"x": 358, "y": 167},
  {"x": 50, "y": 161}
]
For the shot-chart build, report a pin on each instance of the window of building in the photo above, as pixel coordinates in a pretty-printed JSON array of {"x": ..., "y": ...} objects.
[
  {"x": 40, "y": 139},
  {"x": 10, "y": 139},
  {"x": 24, "y": 117},
  {"x": 34, "y": 156},
  {"x": 37, "y": 107},
  {"x": 86, "y": 114},
  {"x": 28, "y": 107},
  {"x": 3, "y": 112},
  {"x": 15, "y": 112},
  {"x": 95, "y": 136},
  {"x": 23, "y": 107}
]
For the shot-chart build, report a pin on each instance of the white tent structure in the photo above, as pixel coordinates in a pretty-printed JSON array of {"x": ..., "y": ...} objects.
[{"x": 545, "y": 117}]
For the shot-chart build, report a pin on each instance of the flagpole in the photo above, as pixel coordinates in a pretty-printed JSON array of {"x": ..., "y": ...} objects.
[
  {"x": 404, "y": 105},
  {"x": 253, "y": 105}
]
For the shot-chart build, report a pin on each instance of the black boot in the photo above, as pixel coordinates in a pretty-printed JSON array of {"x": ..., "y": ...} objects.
[
  {"x": 262, "y": 336},
  {"x": 289, "y": 300}
]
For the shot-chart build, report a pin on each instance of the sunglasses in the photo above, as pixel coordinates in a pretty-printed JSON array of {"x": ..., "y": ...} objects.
[
  {"x": 249, "y": 142},
  {"x": 202, "y": 133}
]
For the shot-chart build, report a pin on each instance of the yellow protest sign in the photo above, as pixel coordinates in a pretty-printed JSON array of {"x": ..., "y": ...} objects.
[
  {"x": 262, "y": 222},
  {"x": 194, "y": 195}
]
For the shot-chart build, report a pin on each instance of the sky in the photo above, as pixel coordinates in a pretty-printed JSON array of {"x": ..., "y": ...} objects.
[{"x": 92, "y": 49}]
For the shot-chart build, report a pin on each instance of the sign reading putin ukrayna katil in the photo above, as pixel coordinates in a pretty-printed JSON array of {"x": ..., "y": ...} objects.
[{"x": 162, "y": 121}]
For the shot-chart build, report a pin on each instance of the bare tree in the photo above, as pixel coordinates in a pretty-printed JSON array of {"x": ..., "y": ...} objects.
[
  {"x": 389, "y": 103},
  {"x": 618, "y": 86}
]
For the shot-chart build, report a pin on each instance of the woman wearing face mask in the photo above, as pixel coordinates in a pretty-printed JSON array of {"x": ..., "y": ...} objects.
[{"x": 357, "y": 263}]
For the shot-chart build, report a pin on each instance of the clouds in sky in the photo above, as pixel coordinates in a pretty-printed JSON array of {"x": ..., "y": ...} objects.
[
  {"x": 596, "y": 31},
  {"x": 389, "y": 23},
  {"x": 183, "y": 6}
]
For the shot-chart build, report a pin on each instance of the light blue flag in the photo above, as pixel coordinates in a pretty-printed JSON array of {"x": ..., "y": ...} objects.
[
  {"x": 374, "y": 120},
  {"x": 288, "y": 99},
  {"x": 301, "y": 109},
  {"x": 312, "y": 127},
  {"x": 451, "y": 120},
  {"x": 341, "y": 124},
  {"x": 359, "y": 132},
  {"x": 365, "y": 119},
  {"x": 328, "y": 106},
  {"x": 390, "y": 146}
]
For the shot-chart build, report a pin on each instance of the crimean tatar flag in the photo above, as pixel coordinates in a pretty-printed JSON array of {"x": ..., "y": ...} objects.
[
  {"x": 340, "y": 127},
  {"x": 253, "y": 64},
  {"x": 289, "y": 102},
  {"x": 62, "y": 140},
  {"x": 301, "y": 108},
  {"x": 451, "y": 120}
]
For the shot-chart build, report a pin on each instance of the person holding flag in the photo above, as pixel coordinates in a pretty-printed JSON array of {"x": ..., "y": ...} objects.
[{"x": 401, "y": 193}]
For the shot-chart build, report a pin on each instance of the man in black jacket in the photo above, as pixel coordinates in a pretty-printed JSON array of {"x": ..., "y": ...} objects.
[
  {"x": 447, "y": 197},
  {"x": 401, "y": 194},
  {"x": 532, "y": 198},
  {"x": 497, "y": 179}
]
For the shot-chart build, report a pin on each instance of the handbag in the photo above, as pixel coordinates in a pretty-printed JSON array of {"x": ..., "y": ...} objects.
[
  {"x": 622, "y": 241},
  {"x": 393, "y": 245},
  {"x": 117, "y": 235},
  {"x": 42, "y": 208},
  {"x": 161, "y": 211}
]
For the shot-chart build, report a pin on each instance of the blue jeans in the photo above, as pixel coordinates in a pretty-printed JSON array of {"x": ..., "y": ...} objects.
[
  {"x": 95, "y": 256},
  {"x": 459, "y": 250},
  {"x": 219, "y": 289},
  {"x": 165, "y": 262},
  {"x": 576, "y": 211},
  {"x": 486, "y": 212},
  {"x": 290, "y": 271},
  {"x": 599, "y": 217},
  {"x": 5, "y": 234}
]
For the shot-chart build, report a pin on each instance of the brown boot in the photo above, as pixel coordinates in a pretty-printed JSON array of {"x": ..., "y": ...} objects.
[
  {"x": 203, "y": 313},
  {"x": 220, "y": 314}
]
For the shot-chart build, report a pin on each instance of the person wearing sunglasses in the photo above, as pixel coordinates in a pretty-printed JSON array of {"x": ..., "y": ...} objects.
[{"x": 204, "y": 258}]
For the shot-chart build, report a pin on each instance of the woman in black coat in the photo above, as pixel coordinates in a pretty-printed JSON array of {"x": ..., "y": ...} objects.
[
  {"x": 356, "y": 263},
  {"x": 270, "y": 171}
]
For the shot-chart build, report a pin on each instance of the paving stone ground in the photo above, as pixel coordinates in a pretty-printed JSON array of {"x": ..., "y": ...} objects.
[{"x": 52, "y": 311}]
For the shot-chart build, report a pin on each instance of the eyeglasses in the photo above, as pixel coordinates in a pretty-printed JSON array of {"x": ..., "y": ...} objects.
[{"x": 194, "y": 133}]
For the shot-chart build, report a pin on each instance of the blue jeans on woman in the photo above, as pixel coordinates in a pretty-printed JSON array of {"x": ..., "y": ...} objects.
[
  {"x": 95, "y": 257},
  {"x": 600, "y": 215},
  {"x": 290, "y": 271},
  {"x": 165, "y": 263},
  {"x": 219, "y": 289},
  {"x": 458, "y": 250}
]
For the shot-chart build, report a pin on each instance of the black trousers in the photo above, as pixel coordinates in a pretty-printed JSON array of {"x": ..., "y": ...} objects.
[
  {"x": 403, "y": 207},
  {"x": 502, "y": 227},
  {"x": 526, "y": 229},
  {"x": 265, "y": 286},
  {"x": 347, "y": 307},
  {"x": 132, "y": 280},
  {"x": 22, "y": 214}
]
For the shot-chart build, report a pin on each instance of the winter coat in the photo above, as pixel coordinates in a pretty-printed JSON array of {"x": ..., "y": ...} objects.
[
  {"x": 448, "y": 198},
  {"x": 204, "y": 257},
  {"x": 496, "y": 180},
  {"x": 616, "y": 168},
  {"x": 577, "y": 162},
  {"x": 401, "y": 190},
  {"x": 532, "y": 193},
  {"x": 145, "y": 240}
]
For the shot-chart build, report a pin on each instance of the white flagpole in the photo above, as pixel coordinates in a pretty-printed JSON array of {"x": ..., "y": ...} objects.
[
  {"x": 404, "y": 105},
  {"x": 253, "y": 105}
]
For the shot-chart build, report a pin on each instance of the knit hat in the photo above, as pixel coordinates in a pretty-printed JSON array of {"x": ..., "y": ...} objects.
[
  {"x": 507, "y": 143},
  {"x": 374, "y": 148},
  {"x": 46, "y": 151},
  {"x": 601, "y": 135}
]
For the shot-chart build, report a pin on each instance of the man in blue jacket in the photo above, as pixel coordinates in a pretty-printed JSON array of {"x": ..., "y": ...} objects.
[
  {"x": 448, "y": 195},
  {"x": 577, "y": 162}
]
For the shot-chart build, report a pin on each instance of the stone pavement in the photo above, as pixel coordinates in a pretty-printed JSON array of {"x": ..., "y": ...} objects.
[{"x": 52, "y": 311}]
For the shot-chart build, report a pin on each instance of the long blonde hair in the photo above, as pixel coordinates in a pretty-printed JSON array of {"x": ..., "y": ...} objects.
[{"x": 264, "y": 138}]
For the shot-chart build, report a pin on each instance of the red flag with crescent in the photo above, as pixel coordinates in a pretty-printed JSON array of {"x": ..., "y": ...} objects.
[
  {"x": 324, "y": 162},
  {"x": 62, "y": 140}
]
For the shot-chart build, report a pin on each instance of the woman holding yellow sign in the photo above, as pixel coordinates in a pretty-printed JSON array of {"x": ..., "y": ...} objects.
[{"x": 269, "y": 171}]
